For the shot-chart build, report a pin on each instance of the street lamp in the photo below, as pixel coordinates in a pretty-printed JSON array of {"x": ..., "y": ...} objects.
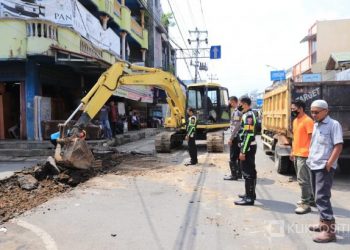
[{"x": 269, "y": 66}]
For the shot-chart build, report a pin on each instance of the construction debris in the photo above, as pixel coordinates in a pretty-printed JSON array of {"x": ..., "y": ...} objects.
[
  {"x": 27, "y": 182},
  {"x": 31, "y": 187}
]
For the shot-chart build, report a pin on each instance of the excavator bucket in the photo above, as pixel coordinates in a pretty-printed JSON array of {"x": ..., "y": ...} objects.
[{"x": 74, "y": 153}]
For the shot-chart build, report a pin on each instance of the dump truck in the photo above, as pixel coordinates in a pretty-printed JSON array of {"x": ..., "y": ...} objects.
[
  {"x": 210, "y": 100},
  {"x": 277, "y": 122}
]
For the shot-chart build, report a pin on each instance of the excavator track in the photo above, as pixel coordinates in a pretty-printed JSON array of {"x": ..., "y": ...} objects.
[
  {"x": 163, "y": 142},
  {"x": 167, "y": 140},
  {"x": 215, "y": 141}
]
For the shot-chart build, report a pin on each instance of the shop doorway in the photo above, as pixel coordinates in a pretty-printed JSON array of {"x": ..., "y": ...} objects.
[{"x": 10, "y": 110}]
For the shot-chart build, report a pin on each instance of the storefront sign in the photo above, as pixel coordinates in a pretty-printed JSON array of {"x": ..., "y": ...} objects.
[{"x": 136, "y": 93}]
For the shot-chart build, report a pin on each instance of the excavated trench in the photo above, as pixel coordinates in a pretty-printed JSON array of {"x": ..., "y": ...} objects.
[{"x": 33, "y": 186}]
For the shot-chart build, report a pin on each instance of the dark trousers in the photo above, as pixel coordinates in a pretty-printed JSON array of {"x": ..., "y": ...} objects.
[
  {"x": 234, "y": 158},
  {"x": 113, "y": 127},
  {"x": 192, "y": 149},
  {"x": 248, "y": 165},
  {"x": 322, "y": 182}
]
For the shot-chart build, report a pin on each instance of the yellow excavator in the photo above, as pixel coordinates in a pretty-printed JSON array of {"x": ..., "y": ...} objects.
[{"x": 210, "y": 100}]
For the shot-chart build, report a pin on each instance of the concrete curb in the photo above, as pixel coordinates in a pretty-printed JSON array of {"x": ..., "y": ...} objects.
[{"x": 20, "y": 150}]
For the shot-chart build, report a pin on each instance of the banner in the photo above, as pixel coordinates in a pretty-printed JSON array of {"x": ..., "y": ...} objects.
[
  {"x": 136, "y": 93},
  {"x": 68, "y": 13}
]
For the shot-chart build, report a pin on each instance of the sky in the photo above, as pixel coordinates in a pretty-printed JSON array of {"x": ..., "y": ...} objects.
[{"x": 255, "y": 36}]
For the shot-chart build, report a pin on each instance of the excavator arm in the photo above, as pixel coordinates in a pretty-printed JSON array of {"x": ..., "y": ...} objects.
[
  {"x": 73, "y": 151},
  {"x": 133, "y": 75}
]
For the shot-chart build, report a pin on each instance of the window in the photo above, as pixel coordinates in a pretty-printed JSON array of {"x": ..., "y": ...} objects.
[
  {"x": 194, "y": 99},
  {"x": 213, "y": 98},
  {"x": 223, "y": 98}
]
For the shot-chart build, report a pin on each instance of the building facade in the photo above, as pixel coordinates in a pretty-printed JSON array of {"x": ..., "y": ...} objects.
[
  {"x": 53, "y": 51},
  {"x": 324, "y": 38}
]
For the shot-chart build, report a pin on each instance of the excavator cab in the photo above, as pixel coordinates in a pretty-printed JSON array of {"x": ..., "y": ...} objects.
[{"x": 211, "y": 104}]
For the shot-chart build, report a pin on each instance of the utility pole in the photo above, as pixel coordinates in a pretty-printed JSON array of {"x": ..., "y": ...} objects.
[
  {"x": 198, "y": 41},
  {"x": 212, "y": 77}
]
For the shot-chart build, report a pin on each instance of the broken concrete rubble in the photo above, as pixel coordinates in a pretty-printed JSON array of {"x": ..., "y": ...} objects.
[{"x": 27, "y": 182}]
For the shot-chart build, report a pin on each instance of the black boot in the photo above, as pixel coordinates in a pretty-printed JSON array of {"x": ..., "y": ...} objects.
[
  {"x": 233, "y": 176},
  {"x": 248, "y": 200},
  {"x": 242, "y": 196},
  {"x": 238, "y": 171}
]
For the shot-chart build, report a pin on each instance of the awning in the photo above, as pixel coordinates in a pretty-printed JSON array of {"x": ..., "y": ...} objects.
[
  {"x": 79, "y": 61},
  {"x": 308, "y": 38},
  {"x": 338, "y": 60}
]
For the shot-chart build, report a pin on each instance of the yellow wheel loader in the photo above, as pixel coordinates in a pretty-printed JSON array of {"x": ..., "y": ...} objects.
[{"x": 210, "y": 101}]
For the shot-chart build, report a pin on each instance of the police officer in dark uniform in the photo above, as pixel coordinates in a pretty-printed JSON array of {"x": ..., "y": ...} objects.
[
  {"x": 247, "y": 152},
  {"x": 191, "y": 137},
  {"x": 233, "y": 141}
]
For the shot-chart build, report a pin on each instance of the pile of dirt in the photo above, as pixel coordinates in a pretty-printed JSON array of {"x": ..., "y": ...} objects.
[
  {"x": 16, "y": 200},
  {"x": 33, "y": 186}
]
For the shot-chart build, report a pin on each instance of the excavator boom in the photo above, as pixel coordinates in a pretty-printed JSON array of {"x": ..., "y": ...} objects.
[{"x": 72, "y": 150}]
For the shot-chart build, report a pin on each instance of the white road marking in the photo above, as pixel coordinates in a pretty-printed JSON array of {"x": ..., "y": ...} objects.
[{"x": 48, "y": 241}]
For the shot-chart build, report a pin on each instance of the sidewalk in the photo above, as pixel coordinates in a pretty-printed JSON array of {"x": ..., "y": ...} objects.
[{"x": 21, "y": 155}]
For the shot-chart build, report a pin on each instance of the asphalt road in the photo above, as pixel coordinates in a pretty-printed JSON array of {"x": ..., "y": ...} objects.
[{"x": 161, "y": 204}]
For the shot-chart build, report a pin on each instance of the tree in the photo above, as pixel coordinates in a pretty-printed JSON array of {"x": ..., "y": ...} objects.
[{"x": 167, "y": 20}]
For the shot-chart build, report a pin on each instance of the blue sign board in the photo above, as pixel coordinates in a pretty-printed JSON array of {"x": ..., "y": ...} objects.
[
  {"x": 215, "y": 52},
  {"x": 259, "y": 102},
  {"x": 278, "y": 75},
  {"x": 311, "y": 77}
]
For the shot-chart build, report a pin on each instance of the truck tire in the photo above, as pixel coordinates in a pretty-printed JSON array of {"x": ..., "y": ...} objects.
[{"x": 282, "y": 163}]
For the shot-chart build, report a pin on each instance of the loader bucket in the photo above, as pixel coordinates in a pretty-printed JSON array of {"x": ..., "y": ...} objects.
[{"x": 74, "y": 153}]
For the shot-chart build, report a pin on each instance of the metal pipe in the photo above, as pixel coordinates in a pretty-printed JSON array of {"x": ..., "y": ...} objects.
[{"x": 73, "y": 114}]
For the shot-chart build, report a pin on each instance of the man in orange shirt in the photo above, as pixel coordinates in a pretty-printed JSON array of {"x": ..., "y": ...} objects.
[{"x": 302, "y": 132}]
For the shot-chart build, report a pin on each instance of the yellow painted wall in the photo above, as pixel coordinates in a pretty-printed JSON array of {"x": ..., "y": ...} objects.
[
  {"x": 13, "y": 43},
  {"x": 39, "y": 45},
  {"x": 68, "y": 39},
  {"x": 126, "y": 19}
]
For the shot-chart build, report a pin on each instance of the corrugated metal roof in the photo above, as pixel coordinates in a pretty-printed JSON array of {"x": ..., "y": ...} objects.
[{"x": 337, "y": 60}]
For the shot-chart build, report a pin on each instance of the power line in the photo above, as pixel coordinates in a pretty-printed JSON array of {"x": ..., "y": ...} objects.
[
  {"x": 155, "y": 19},
  {"x": 178, "y": 27},
  {"x": 191, "y": 13},
  {"x": 205, "y": 25}
]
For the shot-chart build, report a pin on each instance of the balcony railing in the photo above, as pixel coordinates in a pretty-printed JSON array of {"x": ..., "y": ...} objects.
[
  {"x": 301, "y": 67},
  {"x": 135, "y": 27},
  {"x": 41, "y": 29}
]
